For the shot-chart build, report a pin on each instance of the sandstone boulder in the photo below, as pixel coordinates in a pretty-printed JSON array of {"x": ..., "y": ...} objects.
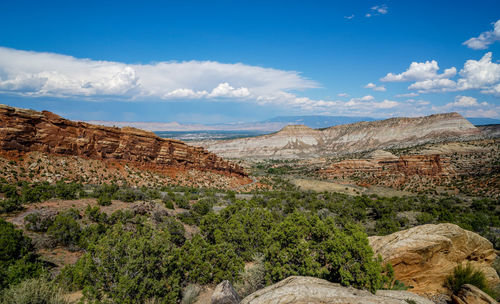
[
  {"x": 424, "y": 256},
  {"x": 224, "y": 293},
  {"x": 470, "y": 294},
  {"x": 301, "y": 290}
]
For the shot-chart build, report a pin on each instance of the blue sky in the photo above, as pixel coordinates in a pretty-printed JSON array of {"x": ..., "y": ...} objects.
[{"x": 240, "y": 61}]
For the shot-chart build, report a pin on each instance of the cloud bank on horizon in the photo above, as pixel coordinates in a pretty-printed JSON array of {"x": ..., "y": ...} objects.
[{"x": 33, "y": 74}]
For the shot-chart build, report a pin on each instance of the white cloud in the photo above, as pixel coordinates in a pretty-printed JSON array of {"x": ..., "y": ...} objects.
[
  {"x": 464, "y": 101},
  {"x": 381, "y": 9},
  {"x": 484, "y": 40},
  {"x": 47, "y": 74},
  {"x": 480, "y": 74},
  {"x": 377, "y": 10},
  {"x": 433, "y": 85},
  {"x": 386, "y": 104},
  {"x": 225, "y": 90},
  {"x": 419, "y": 71},
  {"x": 412, "y": 94},
  {"x": 343, "y": 95},
  {"x": 374, "y": 87},
  {"x": 349, "y": 17},
  {"x": 470, "y": 107}
]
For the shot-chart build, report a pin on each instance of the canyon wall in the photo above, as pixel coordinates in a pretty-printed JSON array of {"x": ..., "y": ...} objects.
[{"x": 27, "y": 131}]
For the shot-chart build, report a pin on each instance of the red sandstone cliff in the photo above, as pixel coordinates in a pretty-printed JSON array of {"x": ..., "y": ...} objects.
[
  {"x": 27, "y": 130},
  {"x": 406, "y": 165}
]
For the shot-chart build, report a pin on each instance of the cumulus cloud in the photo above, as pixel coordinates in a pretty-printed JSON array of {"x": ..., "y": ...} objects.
[
  {"x": 47, "y": 74},
  {"x": 483, "y": 75},
  {"x": 470, "y": 107},
  {"x": 419, "y": 71},
  {"x": 343, "y": 95},
  {"x": 464, "y": 101},
  {"x": 479, "y": 74},
  {"x": 485, "y": 39},
  {"x": 374, "y": 87}
]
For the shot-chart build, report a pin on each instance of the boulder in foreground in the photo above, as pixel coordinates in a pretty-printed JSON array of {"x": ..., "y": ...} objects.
[
  {"x": 301, "y": 290},
  {"x": 424, "y": 256}
]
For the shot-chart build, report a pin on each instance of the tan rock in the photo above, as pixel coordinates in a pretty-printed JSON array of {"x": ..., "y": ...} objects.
[
  {"x": 424, "y": 256},
  {"x": 224, "y": 293},
  {"x": 470, "y": 294},
  {"x": 302, "y": 290}
]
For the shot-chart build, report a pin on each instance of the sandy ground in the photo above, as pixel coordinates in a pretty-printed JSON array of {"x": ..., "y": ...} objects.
[{"x": 320, "y": 186}]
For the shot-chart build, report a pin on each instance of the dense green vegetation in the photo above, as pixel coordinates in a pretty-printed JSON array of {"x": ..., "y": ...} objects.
[
  {"x": 18, "y": 260},
  {"x": 143, "y": 253}
]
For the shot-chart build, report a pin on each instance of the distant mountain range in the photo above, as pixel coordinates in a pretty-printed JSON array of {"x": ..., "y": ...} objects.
[{"x": 270, "y": 125}]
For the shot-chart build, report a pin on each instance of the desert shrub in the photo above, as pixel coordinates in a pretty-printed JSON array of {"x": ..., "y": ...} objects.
[
  {"x": 204, "y": 263},
  {"x": 169, "y": 204},
  {"x": 129, "y": 266},
  {"x": 33, "y": 291},
  {"x": 129, "y": 195},
  {"x": 95, "y": 214},
  {"x": 190, "y": 294},
  {"x": 104, "y": 199},
  {"x": 67, "y": 191},
  {"x": 466, "y": 275},
  {"x": 182, "y": 202},
  {"x": 187, "y": 217},
  {"x": 9, "y": 190},
  {"x": 176, "y": 231},
  {"x": 305, "y": 245},
  {"x": 203, "y": 206},
  {"x": 10, "y": 205},
  {"x": 39, "y": 221},
  {"x": 18, "y": 260},
  {"x": 424, "y": 218},
  {"x": 65, "y": 229},
  {"x": 253, "y": 278},
  {"x": 243, "y": 225}
]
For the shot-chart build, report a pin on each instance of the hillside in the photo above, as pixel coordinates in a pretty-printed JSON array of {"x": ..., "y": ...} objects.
[
  {"x": 35, "y": 139},
  {"x": 301, "y": 141}
]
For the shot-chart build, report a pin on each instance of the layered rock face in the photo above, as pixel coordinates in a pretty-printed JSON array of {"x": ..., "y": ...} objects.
[
  {"x": 301, "y": 141},
  {"x": 301, "y": 290},
  {"x": 425, "y": 255},
  {"x": 406, "y": 165},
  {"x": 26, "y": 131}
]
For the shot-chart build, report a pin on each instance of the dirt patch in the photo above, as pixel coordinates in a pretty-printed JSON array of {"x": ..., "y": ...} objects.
[{"x": 329, "y": 186}]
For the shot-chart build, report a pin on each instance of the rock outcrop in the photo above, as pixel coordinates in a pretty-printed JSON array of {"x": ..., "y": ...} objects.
[
  {"x": 224, "y": 293},
  {"x": 406, "y": 165},
  {"x": 24, "y": 131},
  {"x": 300, "y": 141},
  {"x": 301, "y": 290},
  {"x": 424, "y": 256},
  {"x": 470, "y": 294}
]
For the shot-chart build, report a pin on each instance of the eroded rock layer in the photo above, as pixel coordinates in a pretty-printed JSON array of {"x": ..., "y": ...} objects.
[
  {"x": 405, "y": 165},
  {"x": 24, "y": 131},
  {"x": 301, "y": 141},
  {"x": 424, "y": 256}
]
